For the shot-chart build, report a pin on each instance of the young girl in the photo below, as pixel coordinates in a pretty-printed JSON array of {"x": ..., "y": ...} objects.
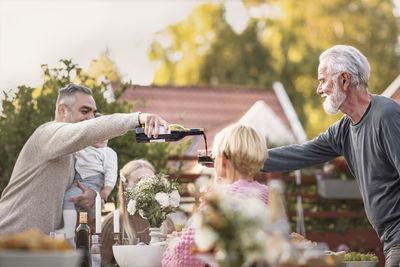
[{"x": 131, "y": 226}]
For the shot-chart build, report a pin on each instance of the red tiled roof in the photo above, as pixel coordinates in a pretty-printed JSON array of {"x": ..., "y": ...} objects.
[
  {"x": 396, "y": 95},
  {"x": 207, "y": 107}
]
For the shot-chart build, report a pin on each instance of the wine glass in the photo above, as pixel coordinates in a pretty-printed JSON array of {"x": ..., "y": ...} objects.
[
  {"x": 204, "y": 157},
  {"x": 55, "y": 235}
]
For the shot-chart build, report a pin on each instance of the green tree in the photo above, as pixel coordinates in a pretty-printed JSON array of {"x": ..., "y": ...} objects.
[
  {"x": 203, "y": 49},
  {"x": 180, "y": 48},
  {"x": 104, "y": 66},
  {"x": 34, "y": 106},
  {"x": 237, "y": 59}
]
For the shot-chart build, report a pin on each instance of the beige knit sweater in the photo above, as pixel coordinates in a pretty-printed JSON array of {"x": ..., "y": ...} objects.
[{"x": 45, "y": 168}]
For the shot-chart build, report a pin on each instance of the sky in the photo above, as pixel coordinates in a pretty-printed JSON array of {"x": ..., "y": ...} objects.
[
  {"x": 34, "y": 32},
  {"x": 43, "y": 32}
]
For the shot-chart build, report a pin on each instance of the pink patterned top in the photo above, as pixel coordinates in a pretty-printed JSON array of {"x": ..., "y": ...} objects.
[
  {"x": 178, "y": 252},
  {"x": 250, "y": 189}
]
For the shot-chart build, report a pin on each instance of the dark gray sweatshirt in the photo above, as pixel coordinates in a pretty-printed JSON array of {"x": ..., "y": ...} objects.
[{"x": 372, "y": 151}]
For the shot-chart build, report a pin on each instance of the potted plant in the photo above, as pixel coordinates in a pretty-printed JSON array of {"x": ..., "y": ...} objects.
[
  {"x": 153, "y": 197},
  {"x": 335, "y": 181}
]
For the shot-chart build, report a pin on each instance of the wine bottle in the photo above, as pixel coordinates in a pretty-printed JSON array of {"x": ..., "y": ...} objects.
[
  {"x": 82, "y": 239},
  {"x": 95, "y": 251},
  {"x": 175, "y": 133}
]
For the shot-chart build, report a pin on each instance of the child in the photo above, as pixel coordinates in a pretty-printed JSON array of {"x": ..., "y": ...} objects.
[
  {"x": 239, "y": 152},
  {"x": 95, "y": 166}
]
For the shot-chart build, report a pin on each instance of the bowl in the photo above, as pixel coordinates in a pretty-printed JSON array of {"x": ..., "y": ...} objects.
[
  {"x": 138, "y": 256},
  {"x": 40, "y": 259},
  {"x": 359, "y": 263}
]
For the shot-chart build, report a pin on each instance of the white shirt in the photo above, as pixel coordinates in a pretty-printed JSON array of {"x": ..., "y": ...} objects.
[{"x": 92, "y": 161}]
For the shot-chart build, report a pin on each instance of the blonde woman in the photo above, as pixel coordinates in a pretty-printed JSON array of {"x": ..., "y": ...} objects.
[
  {"x": 239, "y": 152},
  {"x": 131, "y": 226}
]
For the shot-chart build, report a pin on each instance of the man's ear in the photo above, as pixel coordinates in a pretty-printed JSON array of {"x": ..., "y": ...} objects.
[
  {"x": 61, "y": 111},
  {"x": 344, "y": 80}
]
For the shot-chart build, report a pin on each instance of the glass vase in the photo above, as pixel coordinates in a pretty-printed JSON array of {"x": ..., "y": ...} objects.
[{"x": 155, "y": 233}]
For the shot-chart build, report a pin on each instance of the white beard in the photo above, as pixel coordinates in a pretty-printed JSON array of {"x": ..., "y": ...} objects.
[{"x": 333, "y": 102}]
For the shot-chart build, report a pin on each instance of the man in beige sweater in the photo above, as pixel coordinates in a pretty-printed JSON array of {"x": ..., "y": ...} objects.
[{"x": 45, "y": 165}]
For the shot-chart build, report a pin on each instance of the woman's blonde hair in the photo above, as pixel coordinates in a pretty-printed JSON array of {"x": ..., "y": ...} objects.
[
  {"x": 243, "y": 146},
  {"x": 131, "y": 166}
]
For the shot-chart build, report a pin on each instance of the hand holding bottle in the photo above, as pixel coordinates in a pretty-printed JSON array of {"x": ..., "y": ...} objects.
[
  {"x": 175, "y": 133},
  {"x": 150, "y": 122}
]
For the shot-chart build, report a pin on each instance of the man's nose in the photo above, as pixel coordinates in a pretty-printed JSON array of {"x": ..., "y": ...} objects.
[{"x": 319, "y": 90}]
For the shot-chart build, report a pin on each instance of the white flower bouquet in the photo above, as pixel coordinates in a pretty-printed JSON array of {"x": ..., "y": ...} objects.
[
  {"x": 153, "y": 197},
  {"x": 233, "y": 228}
]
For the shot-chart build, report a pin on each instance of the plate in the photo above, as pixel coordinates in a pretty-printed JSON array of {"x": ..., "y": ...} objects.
[{"x": 42, "y": 259}]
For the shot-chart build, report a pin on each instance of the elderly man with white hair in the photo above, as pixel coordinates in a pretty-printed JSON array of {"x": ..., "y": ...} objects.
[{"x": 368, "y": 136}]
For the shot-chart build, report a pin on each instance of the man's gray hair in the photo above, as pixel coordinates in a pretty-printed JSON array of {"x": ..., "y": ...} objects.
[
  {"x": 70, "y": 90},
  {"x": 349, "y": 59}
]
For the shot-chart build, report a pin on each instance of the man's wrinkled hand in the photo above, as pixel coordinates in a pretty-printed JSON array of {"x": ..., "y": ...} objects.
[
  {"x": 150, "y": 122},
  {"x": 86, "y": 200}
]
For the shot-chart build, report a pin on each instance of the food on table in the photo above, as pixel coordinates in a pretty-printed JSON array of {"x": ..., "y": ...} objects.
[
  {"x": 357, "y": 256},
  {"x": 297, "y": 238},
  {"x": 33, "y": 240},
  {"x": 329, "y": 258},
  {"x": 337, "y": 257}
]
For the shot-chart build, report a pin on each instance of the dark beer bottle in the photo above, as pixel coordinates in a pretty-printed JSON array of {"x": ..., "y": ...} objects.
[{"x": 82, "y": 236}]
